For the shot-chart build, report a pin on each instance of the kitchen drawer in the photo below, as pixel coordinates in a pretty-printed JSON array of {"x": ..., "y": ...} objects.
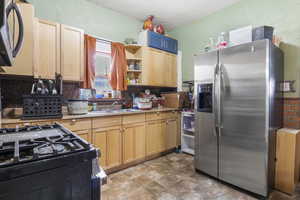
[
  {"x": 170, "y": 115},
  {"x": 85, "y": 134},
  {"x": 77, "y": 124},
  {"x": 154, "y": 116},
  {"x": 131, "y": 119},
  {"x": 106, "y": 121}
]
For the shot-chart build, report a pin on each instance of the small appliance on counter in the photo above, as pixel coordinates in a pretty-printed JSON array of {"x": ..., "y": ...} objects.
[
  {"x": 143, "y": 103},
  {"x": 48, "y": 162},
  {"x": 78, "y": 106},
  {"x": 7, "y": 48}
]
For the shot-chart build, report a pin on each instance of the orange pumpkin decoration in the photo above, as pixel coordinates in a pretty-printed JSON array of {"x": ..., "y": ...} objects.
[{"x": 148, "y": 23}]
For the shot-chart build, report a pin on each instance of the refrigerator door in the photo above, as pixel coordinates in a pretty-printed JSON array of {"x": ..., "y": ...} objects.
[
  {"x": 243, "y": 146},
  {"x": 206, "y": 142}
]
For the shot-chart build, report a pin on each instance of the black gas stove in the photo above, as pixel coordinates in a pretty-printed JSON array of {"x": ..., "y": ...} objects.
[{"x": 47, "y": 163}]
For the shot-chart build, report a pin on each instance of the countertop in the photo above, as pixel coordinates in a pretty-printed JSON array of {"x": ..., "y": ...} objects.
[{"x": 89, "y": 115}]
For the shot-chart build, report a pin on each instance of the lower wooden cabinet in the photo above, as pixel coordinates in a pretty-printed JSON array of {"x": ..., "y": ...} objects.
[
  {"x": 155, "y": 140},
  {"x": 109, "y": 141},
  {"x": 134, "y": 142},
  {"x": 171, "y": 133},
  {"x": 85, "y": 134}
]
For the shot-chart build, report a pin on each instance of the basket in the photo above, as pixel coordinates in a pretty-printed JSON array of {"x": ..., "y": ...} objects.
[{"x": 42, "y": 106}]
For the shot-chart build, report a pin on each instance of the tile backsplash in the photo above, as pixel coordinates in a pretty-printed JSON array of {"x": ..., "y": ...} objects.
[{"x": 12, "y": 91}]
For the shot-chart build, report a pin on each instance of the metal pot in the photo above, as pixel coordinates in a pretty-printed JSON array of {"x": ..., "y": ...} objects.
[{"x": 78, "y": 107}]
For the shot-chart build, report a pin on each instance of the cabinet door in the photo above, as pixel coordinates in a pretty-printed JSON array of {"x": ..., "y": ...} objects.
[
  {"x": 140, "y": 141},
  {"x": 171, "y": 134},
  {"x": 162, "y": 136},
  {"x": 128, "y": 144},
  {"x": 152, "y": 138},
  {"x": 155, "y": 40},
  {"x": 24, "y": 62},
  {"x": 85, "y": 134},
  {"x": 100, "y": 142},
  {"x": 172, "y": 70},
  {"x": 72, "y": 53},
  {"x": 114, "y": 148},
  {"x": 47, "y": 49}
]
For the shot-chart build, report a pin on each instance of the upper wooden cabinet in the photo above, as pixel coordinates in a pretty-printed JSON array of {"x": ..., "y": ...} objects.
[
  {"x": 47, "y": 49},
  {"x": 72, "y": 53},
  {"x": 24, "y": 62},
  {"x": 159, "y": 68}
]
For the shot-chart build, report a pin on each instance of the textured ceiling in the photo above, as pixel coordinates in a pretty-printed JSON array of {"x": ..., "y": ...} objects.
[{"x": 170, "y": 13}]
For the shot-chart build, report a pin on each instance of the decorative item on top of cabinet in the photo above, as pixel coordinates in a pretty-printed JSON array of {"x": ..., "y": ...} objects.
[
  {"x": 24, "y": 62},
  {"x": 72, "y": 53},
  {"x": 47, "y": 49}
]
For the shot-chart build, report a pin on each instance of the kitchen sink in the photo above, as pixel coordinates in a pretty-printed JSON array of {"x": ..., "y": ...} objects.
[{"x": 114, "y": 111}]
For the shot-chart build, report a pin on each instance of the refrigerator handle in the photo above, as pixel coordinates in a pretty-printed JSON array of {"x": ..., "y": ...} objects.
[
  {"x": 215, "y": 103},
  {"x": 222, "y": 93}
]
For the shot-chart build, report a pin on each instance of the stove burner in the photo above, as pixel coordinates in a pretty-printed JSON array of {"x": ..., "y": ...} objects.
[{"x": 50, "y": 149}]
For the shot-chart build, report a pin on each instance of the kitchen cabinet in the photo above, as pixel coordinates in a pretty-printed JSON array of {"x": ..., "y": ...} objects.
[
  {"x": 171, "y": 134},
  {"x": 159, "y": 68},
  {"x": 85, "y": 134},
  {"x": 100, "y": 142},
  {"x": 155, "y": 137},
  {"x": 72, "y": 53},
  {"x": 47, "y": 49},
  {"x": 24, "y": 62},
  {"x": 158, "y": 41},
  {"x": 109, "y": 141},
  {"x": 287, "y": 160},
  {"x": 134, "y": 142}
]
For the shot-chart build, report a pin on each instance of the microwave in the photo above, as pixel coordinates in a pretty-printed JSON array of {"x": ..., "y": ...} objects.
[{"x": 10, "y": 16}]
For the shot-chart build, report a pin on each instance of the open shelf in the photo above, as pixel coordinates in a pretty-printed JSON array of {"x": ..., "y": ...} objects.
[
  {"x": 132, "y": 48},
  {"x": 135, "y": 59},
  {"x": 134, "y": 71}
]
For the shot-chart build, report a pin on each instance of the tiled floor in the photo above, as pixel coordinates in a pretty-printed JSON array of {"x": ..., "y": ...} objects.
[{"x": 172, "y": 177}]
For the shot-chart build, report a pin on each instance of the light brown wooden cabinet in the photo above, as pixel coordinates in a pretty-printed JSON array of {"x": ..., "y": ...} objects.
[
  {"x": 134, "y": 142},
  {"x": 24, "y": 62},
  {"x": 155, "y": 137},
  {"x": 47, "y": 49},
  {"x": 85, "y": 134},
  {"x": 109, "y": 141},
  {"x": 159, "y": 68},
  {"x": 72, "y": 53},
  {"x": 171, "y": 133}
]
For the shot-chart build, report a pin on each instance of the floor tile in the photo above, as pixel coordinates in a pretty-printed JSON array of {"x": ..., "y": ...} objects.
[{"x": 173, "y": 177}]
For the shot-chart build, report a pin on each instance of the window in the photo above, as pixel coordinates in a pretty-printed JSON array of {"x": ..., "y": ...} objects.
[{"x": 103, "y": 60}]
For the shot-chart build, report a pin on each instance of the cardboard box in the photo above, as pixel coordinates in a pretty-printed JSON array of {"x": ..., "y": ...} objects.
[{"x": 175, "y": 99}]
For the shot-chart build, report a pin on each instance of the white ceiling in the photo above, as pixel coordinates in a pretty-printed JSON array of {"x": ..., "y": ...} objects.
[{"x": 170, "y": 13}]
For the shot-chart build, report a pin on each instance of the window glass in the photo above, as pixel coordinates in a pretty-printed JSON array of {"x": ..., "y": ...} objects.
[{"x": 102, "y": 69}]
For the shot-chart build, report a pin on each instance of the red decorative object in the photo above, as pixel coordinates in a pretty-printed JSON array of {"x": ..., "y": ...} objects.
[
  {"x": 148, "y": 23},
  {"x": 159, "y": 29}
]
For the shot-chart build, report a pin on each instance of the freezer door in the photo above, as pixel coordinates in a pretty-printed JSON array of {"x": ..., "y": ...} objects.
[
  {"x": 243, "y": 148},
  {"x": 206, "y": 143}
]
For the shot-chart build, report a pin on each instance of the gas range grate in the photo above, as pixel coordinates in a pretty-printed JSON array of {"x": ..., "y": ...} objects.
[{"x": 37, "y": 142}]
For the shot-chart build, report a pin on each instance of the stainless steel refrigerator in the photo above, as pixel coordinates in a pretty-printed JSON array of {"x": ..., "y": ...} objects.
[{"x": 238, "y": 109}]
